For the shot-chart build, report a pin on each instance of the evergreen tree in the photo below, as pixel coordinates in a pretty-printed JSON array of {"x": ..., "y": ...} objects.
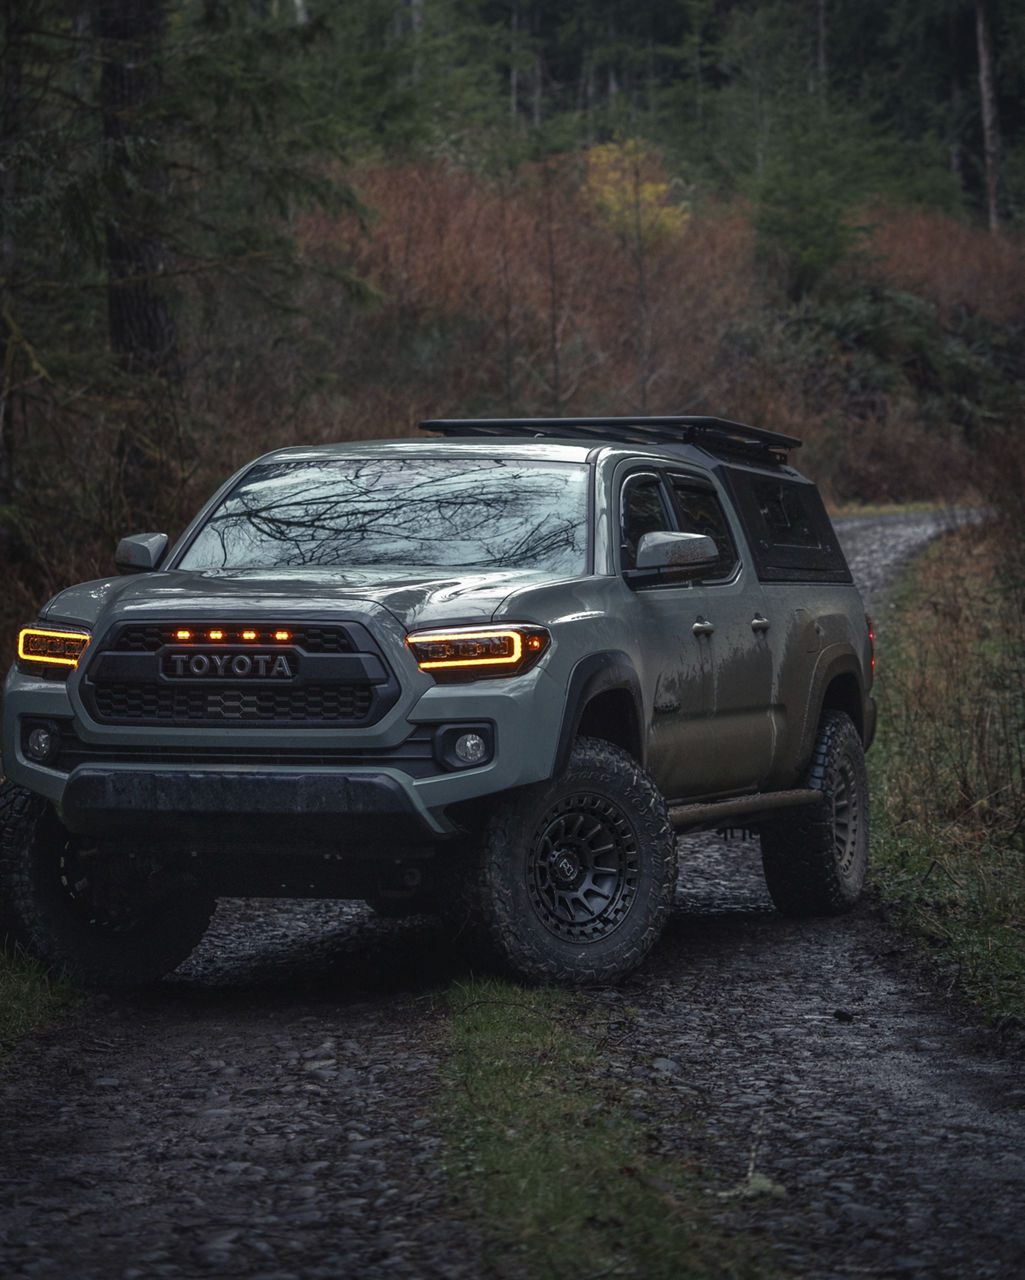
[{"x": 153, "y": 159}]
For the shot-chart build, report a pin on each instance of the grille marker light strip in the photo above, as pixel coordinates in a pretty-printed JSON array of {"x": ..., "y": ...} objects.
[{"x": 221, "y": 635}]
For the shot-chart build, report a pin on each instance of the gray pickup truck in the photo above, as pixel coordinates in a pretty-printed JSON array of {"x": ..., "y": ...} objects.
[{"x": 490, "y": 672}]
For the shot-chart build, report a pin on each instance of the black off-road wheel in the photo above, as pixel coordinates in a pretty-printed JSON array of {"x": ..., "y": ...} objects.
[
  {"x": 815, "y": 859},
  {"x": 104, "y": 917},
  {"x": 572, "y": 879}
]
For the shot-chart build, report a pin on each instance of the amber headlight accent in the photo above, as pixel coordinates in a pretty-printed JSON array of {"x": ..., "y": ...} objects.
[
  {"x": 480, "y": 654},
  {"x": 43, "y": 651}
]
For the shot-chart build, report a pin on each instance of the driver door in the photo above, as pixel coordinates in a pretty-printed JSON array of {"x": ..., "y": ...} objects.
[{"x": 707, "y": 678}]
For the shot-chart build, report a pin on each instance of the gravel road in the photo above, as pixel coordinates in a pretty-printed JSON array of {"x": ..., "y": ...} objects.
[{"x": 268, "y": 1111}]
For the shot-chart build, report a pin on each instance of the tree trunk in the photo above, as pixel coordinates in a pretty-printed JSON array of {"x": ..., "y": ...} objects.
[
  {"x": 644, "y": 350},
  {"x": 10, "y": 129},
  {"x": 821, "y": 66},
  {"x": 954, "y": 151},
  {"x": 612, "y": 81},
  {"x": 140, "y": 322},
  {"x": 818, "y": 67},
  {"x": 141, "y": 326},
  {"x": 990, "y": 124},
  {"x": 514, "y": 52},
  {"x": 554, "y": 298}
]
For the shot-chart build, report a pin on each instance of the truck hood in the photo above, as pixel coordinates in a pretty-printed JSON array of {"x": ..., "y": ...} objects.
[{"x": 416, "y": 598}]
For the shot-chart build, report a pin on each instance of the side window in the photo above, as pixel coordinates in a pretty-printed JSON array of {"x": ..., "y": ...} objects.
[
  {"x": 643, "y": 511},
  {"x": 698, "y": 511},
  {"x": 786, "y": 516},
  {"x": 787, "y": 527}
]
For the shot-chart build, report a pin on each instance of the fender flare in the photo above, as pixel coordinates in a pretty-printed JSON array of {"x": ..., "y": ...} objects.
[
  {"x": 839, "y": 665},
  {"x": 596, "y": 674}
]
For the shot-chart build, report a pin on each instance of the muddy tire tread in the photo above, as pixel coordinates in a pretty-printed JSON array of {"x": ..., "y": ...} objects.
[
  {"x": 495, "y": 909},
  {"x": 35, "y": 917},
  {"x": 798, "y": 855}
]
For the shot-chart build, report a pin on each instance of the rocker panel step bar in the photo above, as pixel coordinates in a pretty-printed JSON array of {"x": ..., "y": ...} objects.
[{"x": 721, "y": 813}]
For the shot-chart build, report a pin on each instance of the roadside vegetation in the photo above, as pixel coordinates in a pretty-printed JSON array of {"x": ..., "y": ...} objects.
[
  {"x": 949, "y": 772},
  {"x": 543, "y": 1148}
]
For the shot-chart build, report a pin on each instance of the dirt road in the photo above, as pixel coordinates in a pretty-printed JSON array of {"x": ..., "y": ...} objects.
[{"x": 267, "y": 1112}]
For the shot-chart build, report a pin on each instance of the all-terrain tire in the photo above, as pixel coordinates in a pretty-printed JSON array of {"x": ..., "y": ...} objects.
[
  {"x": 106, "y": 919},
  {"x": 572, "y": 879},
  {"x": 815, "y": 858}
]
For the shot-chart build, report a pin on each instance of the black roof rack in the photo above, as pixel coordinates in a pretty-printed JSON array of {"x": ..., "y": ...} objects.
[{"x": 676, "y": 429}]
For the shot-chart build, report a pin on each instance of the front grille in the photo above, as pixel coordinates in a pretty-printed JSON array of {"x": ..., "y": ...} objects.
[
  {"x": 151, "y": 704},
  {"x": 321, "y": 676}
]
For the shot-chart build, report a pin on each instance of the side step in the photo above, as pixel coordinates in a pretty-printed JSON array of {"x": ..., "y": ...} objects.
[{"x": 721, "y": 813}]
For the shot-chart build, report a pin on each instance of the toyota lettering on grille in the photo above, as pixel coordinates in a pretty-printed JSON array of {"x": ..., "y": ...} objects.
[{"x": 229, "y": 666}]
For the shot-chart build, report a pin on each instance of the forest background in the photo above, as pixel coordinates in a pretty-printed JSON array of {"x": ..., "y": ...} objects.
[{"x": 230, "y": 225}]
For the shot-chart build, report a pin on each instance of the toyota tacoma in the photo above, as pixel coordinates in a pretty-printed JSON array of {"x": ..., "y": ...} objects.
[{"x": 492, "y": 671}]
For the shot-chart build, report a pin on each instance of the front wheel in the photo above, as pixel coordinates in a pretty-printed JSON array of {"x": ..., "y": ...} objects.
[
  {"x": 572, "y": 879},
  {"x": 106, "y": 917},
  {"x": 815, "y": 859}
]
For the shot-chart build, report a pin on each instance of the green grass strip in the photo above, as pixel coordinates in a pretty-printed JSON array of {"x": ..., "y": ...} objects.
[
  {"x": 30, "y": 998},
  {"x": 542, "y": 1148}
]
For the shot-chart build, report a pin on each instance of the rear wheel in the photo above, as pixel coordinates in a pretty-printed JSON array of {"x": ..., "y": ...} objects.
[
  {"x": 816, "y": 859},
  {"x": 573, "y": 878},
  {"x": 104, "y": 916}
]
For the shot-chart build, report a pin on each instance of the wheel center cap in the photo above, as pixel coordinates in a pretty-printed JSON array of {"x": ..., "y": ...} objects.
[{"x": 565, "y": 866}]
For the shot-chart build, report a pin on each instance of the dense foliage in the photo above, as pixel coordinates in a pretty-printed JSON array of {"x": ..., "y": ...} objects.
[
  {"x": 949, "y": 768},
  {"x": 231, "y": 224}
]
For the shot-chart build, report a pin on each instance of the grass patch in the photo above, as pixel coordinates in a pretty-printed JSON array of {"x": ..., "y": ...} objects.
[
  {"x": 542, "y": 1147},
  {"x": 30, "y": 997},
  {"x": 840, "y": 510},
  {"x": 949, "y": 770}
]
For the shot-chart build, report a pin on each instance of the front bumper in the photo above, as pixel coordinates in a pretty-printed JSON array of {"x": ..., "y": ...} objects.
[
  {"x": 287, "y": 790},
  {"x": 226, "y": 807}
]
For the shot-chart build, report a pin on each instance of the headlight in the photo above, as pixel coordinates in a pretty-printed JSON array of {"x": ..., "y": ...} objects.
[
  {"x": 50, "y": 652},
  {"x": 479, "y": 654}
]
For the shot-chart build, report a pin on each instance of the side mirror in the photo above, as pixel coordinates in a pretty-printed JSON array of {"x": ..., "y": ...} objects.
[
  {"x": 141, "y": 552},
  {"x": 676, "y": 551},
  {"x": 669, "y": 557}
]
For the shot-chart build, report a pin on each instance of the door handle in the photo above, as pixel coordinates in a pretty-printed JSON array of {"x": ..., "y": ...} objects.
[
  {"x": 702, "y": 627},
  {"x": 758, "y": 623}
]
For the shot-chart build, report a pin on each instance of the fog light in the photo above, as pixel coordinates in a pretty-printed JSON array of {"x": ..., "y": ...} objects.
[
  {"x": 464, "y": 746},
  {"x": 42, "y": 743},
  {"x": 470, "y": 748}
]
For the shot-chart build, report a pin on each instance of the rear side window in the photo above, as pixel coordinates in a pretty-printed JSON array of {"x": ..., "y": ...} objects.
[{"x": 789, "y": 531}]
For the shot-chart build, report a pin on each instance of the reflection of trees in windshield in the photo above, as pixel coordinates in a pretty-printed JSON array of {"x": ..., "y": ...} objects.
[{"x": 425, "y": 512}]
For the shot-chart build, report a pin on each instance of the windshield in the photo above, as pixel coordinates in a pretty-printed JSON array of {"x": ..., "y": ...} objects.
[{"x": 455, "y": 513}]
